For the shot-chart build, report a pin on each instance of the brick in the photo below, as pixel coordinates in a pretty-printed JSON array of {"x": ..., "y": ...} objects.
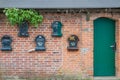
[{"x": 56, "y": 58}]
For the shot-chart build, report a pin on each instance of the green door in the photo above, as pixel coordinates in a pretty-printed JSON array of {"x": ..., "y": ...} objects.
[{"x": 104, "y": 52}]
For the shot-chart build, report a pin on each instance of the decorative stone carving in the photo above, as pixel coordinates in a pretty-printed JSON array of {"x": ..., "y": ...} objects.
[
  {"x": 40, "y": 43},
  {"x": 73, "y": 41},
  {"x": 56, "y": 26},
  {"x": 6, "y": 43},
  {"x": 23, "y": 29}
]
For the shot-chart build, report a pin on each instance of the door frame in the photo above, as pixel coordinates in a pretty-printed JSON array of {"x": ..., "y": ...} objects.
[{"x": 117, "y": 38}]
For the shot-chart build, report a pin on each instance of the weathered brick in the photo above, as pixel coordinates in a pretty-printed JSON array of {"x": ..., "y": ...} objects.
[{"x": 56, "y": 58}]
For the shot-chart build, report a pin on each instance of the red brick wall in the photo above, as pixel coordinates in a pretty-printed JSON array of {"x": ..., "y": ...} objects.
[{"x": 56, "y": 58}]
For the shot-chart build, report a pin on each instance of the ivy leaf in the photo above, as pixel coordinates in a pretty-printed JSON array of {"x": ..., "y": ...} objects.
[{"x": 17, "y": 16}]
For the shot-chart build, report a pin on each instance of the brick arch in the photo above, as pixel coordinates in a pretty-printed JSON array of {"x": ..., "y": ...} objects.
[
  {"x": 105, "y": 17},
  {"x": 113, "y": 18}
]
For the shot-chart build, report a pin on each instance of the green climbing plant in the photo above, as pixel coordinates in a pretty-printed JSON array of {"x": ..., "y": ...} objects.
[{"x": 17, "y": 16}]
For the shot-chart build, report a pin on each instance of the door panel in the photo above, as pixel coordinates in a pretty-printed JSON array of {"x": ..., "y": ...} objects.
[{"x": 104, "y": 55}]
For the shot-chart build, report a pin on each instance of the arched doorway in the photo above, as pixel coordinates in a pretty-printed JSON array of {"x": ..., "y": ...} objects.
[{"x": 104, "y": 47}]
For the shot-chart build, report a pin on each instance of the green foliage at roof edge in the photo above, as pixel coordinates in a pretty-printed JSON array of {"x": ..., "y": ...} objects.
[{"x": 17, "y": 16}]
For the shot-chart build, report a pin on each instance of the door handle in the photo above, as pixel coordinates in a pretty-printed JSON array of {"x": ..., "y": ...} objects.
[{"x": 113, "y": 46}]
